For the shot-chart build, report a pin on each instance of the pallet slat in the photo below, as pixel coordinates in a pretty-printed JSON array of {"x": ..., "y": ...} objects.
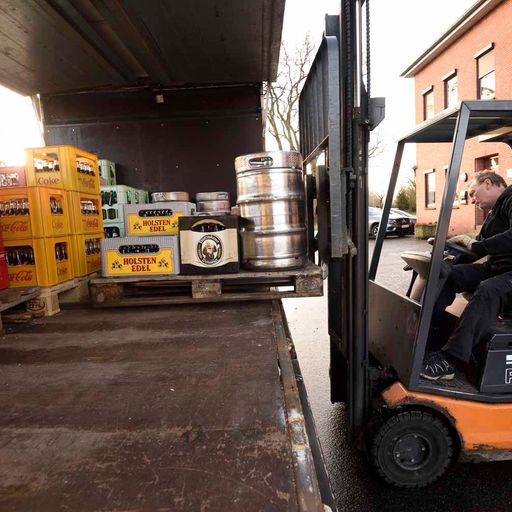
[{"x": 181, "y": 289}]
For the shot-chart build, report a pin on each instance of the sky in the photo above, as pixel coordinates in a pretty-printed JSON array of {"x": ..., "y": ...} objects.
[{"x": 400, "y": 31}]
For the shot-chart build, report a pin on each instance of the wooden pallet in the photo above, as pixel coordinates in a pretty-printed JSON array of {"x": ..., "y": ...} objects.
[
  {"x": 182, "y": 289},
  {"x": 48, "y": 302},
  {"x": 15, "y": 296}
]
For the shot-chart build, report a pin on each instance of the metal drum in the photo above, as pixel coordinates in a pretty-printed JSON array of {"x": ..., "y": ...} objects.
[
  {"x": 159, "y": 197},
  {"x": 271, "y": 200},
  {"x": 213, "y": 203}
]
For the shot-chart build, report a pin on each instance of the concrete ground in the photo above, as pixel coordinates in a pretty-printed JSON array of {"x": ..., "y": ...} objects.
[{"x": 465, "y": 487}]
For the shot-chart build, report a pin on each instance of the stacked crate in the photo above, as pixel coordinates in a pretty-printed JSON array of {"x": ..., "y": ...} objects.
[
  {"x": 150, "y": 247},
  {"x": 51, "y": 222},
  {"x": 113, "y": 200}
]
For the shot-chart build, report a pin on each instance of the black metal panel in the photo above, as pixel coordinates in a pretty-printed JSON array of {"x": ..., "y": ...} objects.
[
  {"x": 50, "y": 46},
  {"x": 142, "y": 104},
  {"x": 393, "y": 322},
  {"x": 319, "y": 119},
  {"x": 180, "y": 150}
]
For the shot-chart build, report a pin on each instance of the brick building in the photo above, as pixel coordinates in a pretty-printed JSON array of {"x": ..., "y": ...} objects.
[{"x": 469, "y": 61}]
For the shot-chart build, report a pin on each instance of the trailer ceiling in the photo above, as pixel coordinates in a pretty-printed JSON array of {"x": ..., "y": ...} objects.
[{"x": 54, "y": 46}]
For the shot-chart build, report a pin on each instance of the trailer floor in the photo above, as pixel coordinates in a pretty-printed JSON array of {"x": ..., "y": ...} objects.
[{"x": 163, "y": 409}]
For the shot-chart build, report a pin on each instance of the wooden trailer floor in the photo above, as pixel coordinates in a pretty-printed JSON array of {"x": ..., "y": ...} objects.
[{"x": 153, "y": 409}]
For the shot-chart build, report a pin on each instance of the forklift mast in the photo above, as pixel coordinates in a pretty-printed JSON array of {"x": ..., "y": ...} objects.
[{"x": 336, "y": 116}]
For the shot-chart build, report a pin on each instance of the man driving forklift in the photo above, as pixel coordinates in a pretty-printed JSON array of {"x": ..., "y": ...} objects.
[{"x": 490, "y": 281}]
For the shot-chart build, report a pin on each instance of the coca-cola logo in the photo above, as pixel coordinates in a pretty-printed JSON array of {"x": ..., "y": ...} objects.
[
  {"x": 92, "y": 223},
  {"x": 87, "y": 182},
  {"x": 62, "y": 270},
  {"x": 23, "y": 276},
  {"x": 57, "y": 225},
  {"x": 48, "y": 181},
  {"x": 19, "y": 226},
  {"x": 93, "y": 261}
]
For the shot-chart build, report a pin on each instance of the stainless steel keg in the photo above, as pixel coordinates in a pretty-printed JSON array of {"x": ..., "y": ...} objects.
[
  {"x": 213, "y": 203},
  {"x": 158, "y": 197},
  {"x": 271, "y": 200}
]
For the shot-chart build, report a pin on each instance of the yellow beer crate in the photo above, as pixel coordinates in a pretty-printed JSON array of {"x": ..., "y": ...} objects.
[
  {"x": 64, "y": 167},
  {"x": 86, "y": 253},
  {"x": 140, "y": 256},
  {"x": 155, "y": 219},
  {"x": 33, "y": 212},
  {"x": 39, "y": 261},
  {"x": 86, "y": 215}
]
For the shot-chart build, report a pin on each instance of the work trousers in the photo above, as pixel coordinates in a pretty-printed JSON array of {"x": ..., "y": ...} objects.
[{"x": 492, "y": 289}]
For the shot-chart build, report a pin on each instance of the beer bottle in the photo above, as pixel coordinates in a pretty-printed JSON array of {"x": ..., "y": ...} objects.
[
  {"x": 45, "y": 165},
  {"x": 25, "y": 207},
  {"x": 56, "y": 166},
  {"x": 51, "y": 165},
  {"x": 31, "y": 259}
]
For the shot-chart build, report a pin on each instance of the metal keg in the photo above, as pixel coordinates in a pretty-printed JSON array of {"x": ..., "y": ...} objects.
[
  {"x": 213, "y": 203},
  {"x": 159, "y": 197},
  {"x": 271, "y": 200}
]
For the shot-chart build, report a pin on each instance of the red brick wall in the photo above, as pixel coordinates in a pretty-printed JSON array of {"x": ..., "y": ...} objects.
[{"x": 495, "y": 28}]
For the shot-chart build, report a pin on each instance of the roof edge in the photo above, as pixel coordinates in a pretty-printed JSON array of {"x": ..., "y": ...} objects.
[{"x": 470, "y": 18}]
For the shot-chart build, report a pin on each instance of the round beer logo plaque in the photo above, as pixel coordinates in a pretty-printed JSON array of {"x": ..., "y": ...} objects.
[{"x": 209, "y": 250}]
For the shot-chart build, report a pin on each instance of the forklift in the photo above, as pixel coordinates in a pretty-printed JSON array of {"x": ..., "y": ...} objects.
[{"x": 411, "y": 428}]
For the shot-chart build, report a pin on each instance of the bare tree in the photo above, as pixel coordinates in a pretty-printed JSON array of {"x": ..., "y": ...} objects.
[
  {"x": 282, "y": 99},
  {"x": 282, "y": 96},
  {"x": 376, "y": 199}
]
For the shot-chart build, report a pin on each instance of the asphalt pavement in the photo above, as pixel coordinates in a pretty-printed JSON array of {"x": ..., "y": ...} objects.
[{"x": 468, "y": 487}]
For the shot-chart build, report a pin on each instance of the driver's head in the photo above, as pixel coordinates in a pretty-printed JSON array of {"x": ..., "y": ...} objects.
[{"x": 485, "y": 189}]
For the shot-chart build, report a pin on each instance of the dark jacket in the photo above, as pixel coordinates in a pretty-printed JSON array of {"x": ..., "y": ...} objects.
[{"x": 495, "y": 237}]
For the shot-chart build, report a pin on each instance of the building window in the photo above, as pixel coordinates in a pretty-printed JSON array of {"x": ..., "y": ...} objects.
[
  {"x": 486, "y": 72},
  {"x": 430, "y": 189},
  {"x": 487, "y": 163},
  {"x": 451, "y": 96},
  {"x": 428, "y": 102}
]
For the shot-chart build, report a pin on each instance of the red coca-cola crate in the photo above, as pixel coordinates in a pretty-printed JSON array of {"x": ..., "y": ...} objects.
[{"x": 4, "y": 275}]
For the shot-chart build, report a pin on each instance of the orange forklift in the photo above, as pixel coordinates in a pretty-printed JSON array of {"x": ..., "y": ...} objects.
[{"x": 412, "y": 428}]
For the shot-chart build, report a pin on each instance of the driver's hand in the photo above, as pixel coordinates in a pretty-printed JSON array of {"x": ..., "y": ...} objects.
[{"x": 464, "y": 240}]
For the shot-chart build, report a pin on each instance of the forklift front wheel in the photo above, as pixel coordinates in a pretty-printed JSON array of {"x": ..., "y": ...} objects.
[{"x": 411, "y": 449}]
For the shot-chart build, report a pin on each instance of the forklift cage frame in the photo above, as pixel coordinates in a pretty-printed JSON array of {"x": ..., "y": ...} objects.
[{"x": 492, "y": 121}]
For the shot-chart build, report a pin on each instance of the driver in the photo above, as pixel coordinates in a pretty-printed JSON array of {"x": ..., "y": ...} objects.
[{"x": 491, "y": 281}]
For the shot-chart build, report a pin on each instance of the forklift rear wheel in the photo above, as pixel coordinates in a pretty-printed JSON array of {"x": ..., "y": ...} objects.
[
  {"x": 374, "y": 230},
  {"x": 411, "y": 449}
]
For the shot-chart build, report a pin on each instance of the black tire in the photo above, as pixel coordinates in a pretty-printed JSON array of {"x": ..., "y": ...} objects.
[
  {"x": 374, "y": 230},
  {"x": 411, "y": 449}
]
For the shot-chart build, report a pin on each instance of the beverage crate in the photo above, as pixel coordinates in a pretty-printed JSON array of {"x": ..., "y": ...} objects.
[
  {"x": 140, "y": 256},
  {"x": 11, "y": 177},
  {"x": 113, "y": 199},
  {"x": 86, "y": 214},
  {"x": 107, "y": 170},
  {"x": 39, "y": 261},
  {"x": 86, "y": 254},
  {"x": 64, "y": 167},
  {"x": 155, "y": 218},
  {"x": 4, "y": 275},
  {"x": 34, "y": 212},
  {"x": 143, "y": 196},
  {"x": 114, "y": 229},
  {"x": 209, "y": 244}
]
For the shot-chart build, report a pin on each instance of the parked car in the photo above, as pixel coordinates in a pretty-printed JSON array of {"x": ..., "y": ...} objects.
[
  {"x": 398, "y": 225},
  {"x": 408, "y": 215}
]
